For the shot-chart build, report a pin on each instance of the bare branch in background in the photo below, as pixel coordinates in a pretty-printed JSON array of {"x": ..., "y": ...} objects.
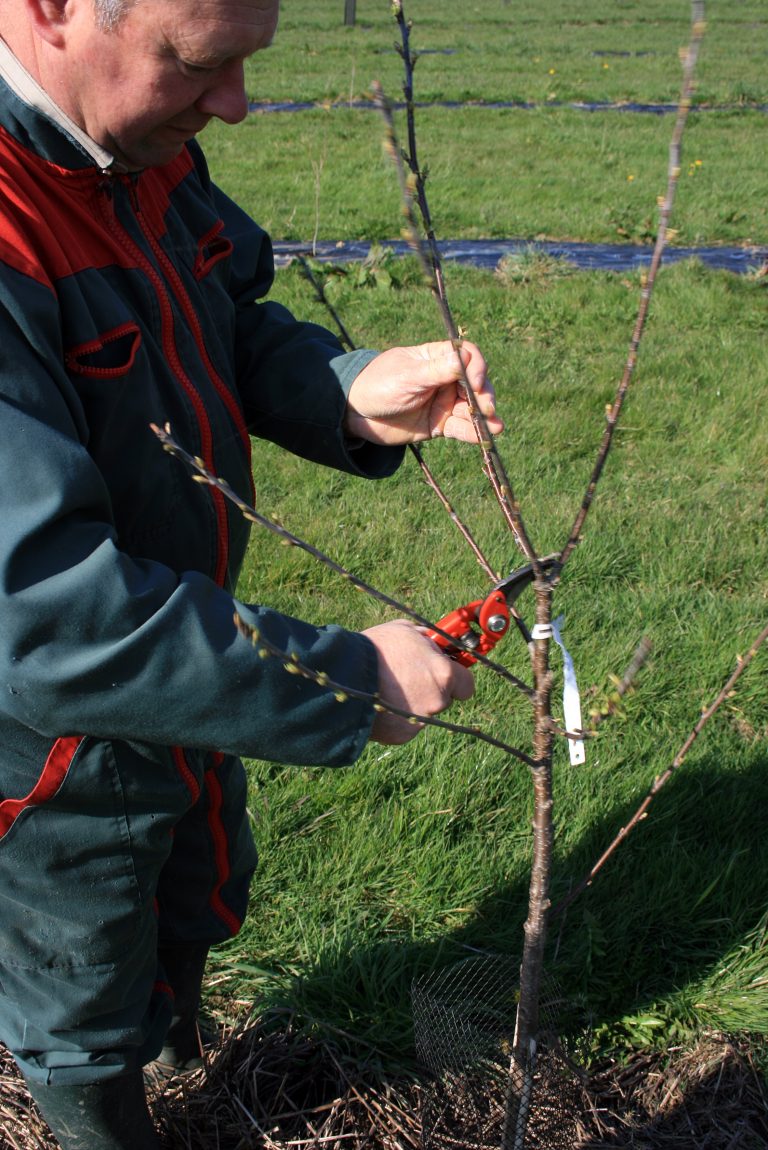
[
  {"x": 320, "y": 292},
  {"x": 742, "y": 663},
  {"x": 621, "y": 688},
  {"x": 690, "y": 57}
]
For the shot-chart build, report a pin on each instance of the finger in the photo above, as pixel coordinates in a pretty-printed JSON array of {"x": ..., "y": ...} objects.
[
  {"x": 460, "y": 410},
  {"x": 476, "y": 376},
  {"x": 476, "y": 371},
  {"x": 394, "y": 731},
  {"x": 452, "y": 679},
  {"x": 462, "y": 429},
  {"x": 475, "y": 368},
  {"x": 462, "y": 683},
  {"x": 448, "y": 362}
]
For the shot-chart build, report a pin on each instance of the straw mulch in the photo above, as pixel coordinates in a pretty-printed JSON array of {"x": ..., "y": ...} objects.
[
  {"x": 710, "y": 1097},
  {"x": 275, "y": 1089}
]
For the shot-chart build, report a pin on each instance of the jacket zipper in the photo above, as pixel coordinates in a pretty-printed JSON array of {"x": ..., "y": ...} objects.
[{"x": 169, "y": 347}]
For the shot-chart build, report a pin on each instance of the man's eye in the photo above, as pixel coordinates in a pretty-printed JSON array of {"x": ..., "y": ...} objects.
[{"x": 196, "y": 69}]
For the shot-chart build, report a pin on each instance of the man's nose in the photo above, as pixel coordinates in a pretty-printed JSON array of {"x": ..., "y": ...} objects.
[{"x": 226, "y": 98}]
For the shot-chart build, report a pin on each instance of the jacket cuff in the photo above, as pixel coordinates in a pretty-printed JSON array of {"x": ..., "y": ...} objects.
[{"x": 367, "y": 459}]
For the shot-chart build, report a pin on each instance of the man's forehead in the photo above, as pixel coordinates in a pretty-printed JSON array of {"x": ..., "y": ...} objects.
[
  {"x": 216, "y": 21},
  {"x": 242, "y": 12},
  {"x": 237, "y": 10}
]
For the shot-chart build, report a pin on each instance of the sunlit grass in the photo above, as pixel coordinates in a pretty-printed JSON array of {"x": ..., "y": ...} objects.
[
  {"x": 376, "y": 873},
  {"x": 373, "y": 874},
  {"x": 548, "y": 173},
  {"x": 491, "y": 50}
]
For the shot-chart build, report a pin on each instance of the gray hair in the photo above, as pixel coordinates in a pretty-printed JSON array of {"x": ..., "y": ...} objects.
[{"x": 109, "y": 13}]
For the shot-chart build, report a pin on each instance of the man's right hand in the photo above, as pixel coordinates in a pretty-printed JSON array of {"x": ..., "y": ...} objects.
[{"x": 414, "y": 675}]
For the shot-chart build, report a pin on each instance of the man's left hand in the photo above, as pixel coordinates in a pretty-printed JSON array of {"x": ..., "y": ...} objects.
[{"x": 408, "y": 394}]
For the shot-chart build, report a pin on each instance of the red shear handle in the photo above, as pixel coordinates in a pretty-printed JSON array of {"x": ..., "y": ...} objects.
[{"x": 492, "y": 616}]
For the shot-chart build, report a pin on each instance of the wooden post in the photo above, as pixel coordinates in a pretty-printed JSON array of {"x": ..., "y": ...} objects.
[{"x": 349, "y": 11}]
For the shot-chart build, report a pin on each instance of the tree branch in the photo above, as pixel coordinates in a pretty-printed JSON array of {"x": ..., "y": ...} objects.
[
  {"x": 492, "y": 463},
  {"x": 413, "y": 447},
  {"x": 203, "y": 475},
  {"x": 661, "y": 780},
  {"x": 690, "y": 58},
  {"x": 294, "y": 666}
]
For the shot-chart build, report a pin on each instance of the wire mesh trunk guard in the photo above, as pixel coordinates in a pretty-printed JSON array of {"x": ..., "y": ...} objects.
[{"x": 464, "y": 1023}]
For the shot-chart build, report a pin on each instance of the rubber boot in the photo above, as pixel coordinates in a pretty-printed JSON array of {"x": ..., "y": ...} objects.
[
  {"x": 184, "y": 967},
  {"x": 108, "y": 1115}
]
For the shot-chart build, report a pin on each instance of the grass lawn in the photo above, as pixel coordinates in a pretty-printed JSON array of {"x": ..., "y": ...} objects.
[
  {"x": 376, "y": 873},
  {"x": 373, "y": 874},
  {"x": 548, "y": 173},
  {"x": 499, "y": 50}
]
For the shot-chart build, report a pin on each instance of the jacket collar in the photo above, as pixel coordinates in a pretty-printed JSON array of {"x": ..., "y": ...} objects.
[{"x": 26, "y": 88}]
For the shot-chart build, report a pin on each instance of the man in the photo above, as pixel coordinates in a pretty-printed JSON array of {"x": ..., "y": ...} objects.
[{"x": 128, "y": 295}]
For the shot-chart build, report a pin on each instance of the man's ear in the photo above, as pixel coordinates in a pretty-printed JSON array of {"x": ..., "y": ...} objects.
[{"x": 48, "y": 18}]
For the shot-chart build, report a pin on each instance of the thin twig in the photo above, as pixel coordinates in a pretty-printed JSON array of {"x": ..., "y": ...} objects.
[
  {"x": 372, "y": 1107},
  {"x": 203, "y": 475},
  {"x": 413, "y": 447},
  {"x": 322, "y": 296},
  {"x": 622, "y": 687},
  {"x": 673, "y": 172},
  {"x": 411, "y": 156},
  {"x": 453, "y": 515},
  {"x": 492, "y": 463},
  {"x": 342, "y": 691},
  {"x": 742, "y": 663}
]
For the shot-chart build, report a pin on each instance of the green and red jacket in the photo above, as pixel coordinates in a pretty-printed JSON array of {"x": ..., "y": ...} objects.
[{"x": 130, "y": 299}]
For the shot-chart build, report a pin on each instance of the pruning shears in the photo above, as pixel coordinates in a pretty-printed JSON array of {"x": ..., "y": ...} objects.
[{"x": 480, "y": 625}]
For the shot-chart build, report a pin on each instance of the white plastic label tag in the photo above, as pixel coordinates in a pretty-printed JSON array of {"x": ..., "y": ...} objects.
[{"x": 571, "y": 699}]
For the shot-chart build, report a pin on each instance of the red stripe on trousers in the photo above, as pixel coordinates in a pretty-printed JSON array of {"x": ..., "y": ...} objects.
[
  {"x": 221, "y": 851},
  {"x": 56, "y": 766}
]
